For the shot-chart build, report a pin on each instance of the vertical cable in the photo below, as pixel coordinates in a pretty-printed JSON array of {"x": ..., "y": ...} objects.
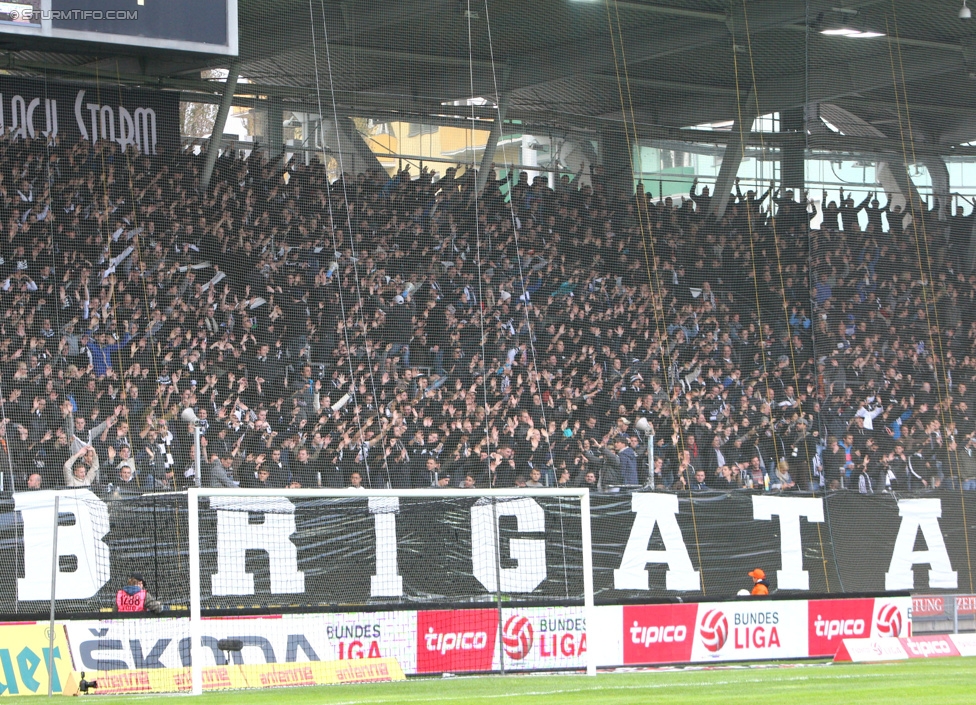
[
  {"x": 942, "y": 385},
  {"x": 481, "y": 310},
  {"x": 518, "y": 257},
  {"x": 627, "y": 106},
  {"x": 352, "y": 240},
  {"x": 779, "y": 267}
]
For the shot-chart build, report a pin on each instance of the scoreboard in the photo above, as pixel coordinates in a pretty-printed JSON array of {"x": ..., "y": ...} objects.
[{"x": 200, "y": 26}]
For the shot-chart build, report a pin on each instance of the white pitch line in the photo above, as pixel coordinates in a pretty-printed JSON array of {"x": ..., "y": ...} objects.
[
  {"x": 597, "y": 689},
  {"x": 399, "y": 698}
]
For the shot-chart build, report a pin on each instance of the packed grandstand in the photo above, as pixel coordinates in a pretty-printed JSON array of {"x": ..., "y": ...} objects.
[{"x": 410, "y": 332}]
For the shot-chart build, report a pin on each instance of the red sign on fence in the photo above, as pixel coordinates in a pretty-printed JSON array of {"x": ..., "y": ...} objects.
[
  {"x": 928, "y": 606},
  {"x": 965, "y": 604},
  {"x": 456, "y": 640}
]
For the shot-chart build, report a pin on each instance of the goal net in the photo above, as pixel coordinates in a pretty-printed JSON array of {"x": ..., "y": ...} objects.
[{"x": 440, "y": 580}]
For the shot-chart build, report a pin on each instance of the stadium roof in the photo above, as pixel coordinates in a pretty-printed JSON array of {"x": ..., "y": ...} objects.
[{"x": 558, "y": 64}]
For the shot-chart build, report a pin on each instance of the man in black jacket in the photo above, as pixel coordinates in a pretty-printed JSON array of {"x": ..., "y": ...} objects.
[
  {"x": 698, "y": 484},
  {"x": 848, "y": 211},
  {"x": 802, "y": 447},
  {"x": 305, "y": 473}
]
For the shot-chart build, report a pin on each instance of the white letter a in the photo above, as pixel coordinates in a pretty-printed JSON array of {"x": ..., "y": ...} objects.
[
  {"x": 659, "y": 509},
  {"x": 920, "y": 514}
]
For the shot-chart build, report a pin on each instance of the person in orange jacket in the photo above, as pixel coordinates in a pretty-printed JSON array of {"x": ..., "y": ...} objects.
[{"x": 760, "y": 586}]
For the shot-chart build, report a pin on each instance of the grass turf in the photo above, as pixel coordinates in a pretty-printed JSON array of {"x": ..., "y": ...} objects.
[{"x": 936, "y": 681}]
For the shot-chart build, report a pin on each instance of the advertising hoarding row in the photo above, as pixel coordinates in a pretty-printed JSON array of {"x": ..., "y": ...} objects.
[
  {"x": 141, "y": 652},
  {"x": 903, "y": 648},
  {"x": 536, "y": 638}
]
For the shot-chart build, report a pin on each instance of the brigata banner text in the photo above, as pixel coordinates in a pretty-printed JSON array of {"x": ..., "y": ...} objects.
[{"x": 392, "y": 552}]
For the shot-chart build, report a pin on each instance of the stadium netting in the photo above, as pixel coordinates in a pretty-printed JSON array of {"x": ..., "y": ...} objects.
[{"x": 514, "y": 253}]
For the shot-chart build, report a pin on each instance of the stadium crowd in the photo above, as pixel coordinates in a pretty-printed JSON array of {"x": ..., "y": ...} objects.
[{"x": 400, "y": 332}]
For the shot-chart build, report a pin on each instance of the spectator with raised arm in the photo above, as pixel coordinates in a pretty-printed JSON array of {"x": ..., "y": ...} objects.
[{"x": 81, "y": 469}]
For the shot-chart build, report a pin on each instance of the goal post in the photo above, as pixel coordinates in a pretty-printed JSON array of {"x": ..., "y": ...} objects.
[{"x": 459, "y": 563}]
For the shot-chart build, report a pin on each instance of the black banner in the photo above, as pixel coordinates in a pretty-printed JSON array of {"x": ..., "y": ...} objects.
[
  {"x": 143, "y": 120},
  {"x": 275, "y": 553}
]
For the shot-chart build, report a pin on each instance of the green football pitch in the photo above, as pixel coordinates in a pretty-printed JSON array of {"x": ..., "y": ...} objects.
[{"x": 938, "y": 681}]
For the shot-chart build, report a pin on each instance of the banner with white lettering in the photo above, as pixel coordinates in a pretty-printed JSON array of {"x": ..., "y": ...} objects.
[
  {"x": 127, "y": 644},
  {"x": 661, "y": 546},
  {"x": 146, "y": 122},
  {"x": 751, "y": 629},
  {"x": 532, "y": 638},
  {"x": 392, "y": 553}
]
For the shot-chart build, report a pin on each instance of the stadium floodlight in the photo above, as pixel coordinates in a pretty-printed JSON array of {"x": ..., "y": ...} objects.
[
  {"x": 526, "y": 547},
  {"x": 848, "y": 26},
  {"x": 851, "y": 33}
]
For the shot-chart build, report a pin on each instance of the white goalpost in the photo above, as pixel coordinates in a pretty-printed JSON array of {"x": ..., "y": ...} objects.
[{"x": 473, "y": 580}]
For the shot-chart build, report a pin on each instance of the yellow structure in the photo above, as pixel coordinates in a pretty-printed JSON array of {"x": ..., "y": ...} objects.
[
  {"x": 25, "y": 659},
  {"x": 399, "y": 144},
  {"x": 263, "y": 675}
]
